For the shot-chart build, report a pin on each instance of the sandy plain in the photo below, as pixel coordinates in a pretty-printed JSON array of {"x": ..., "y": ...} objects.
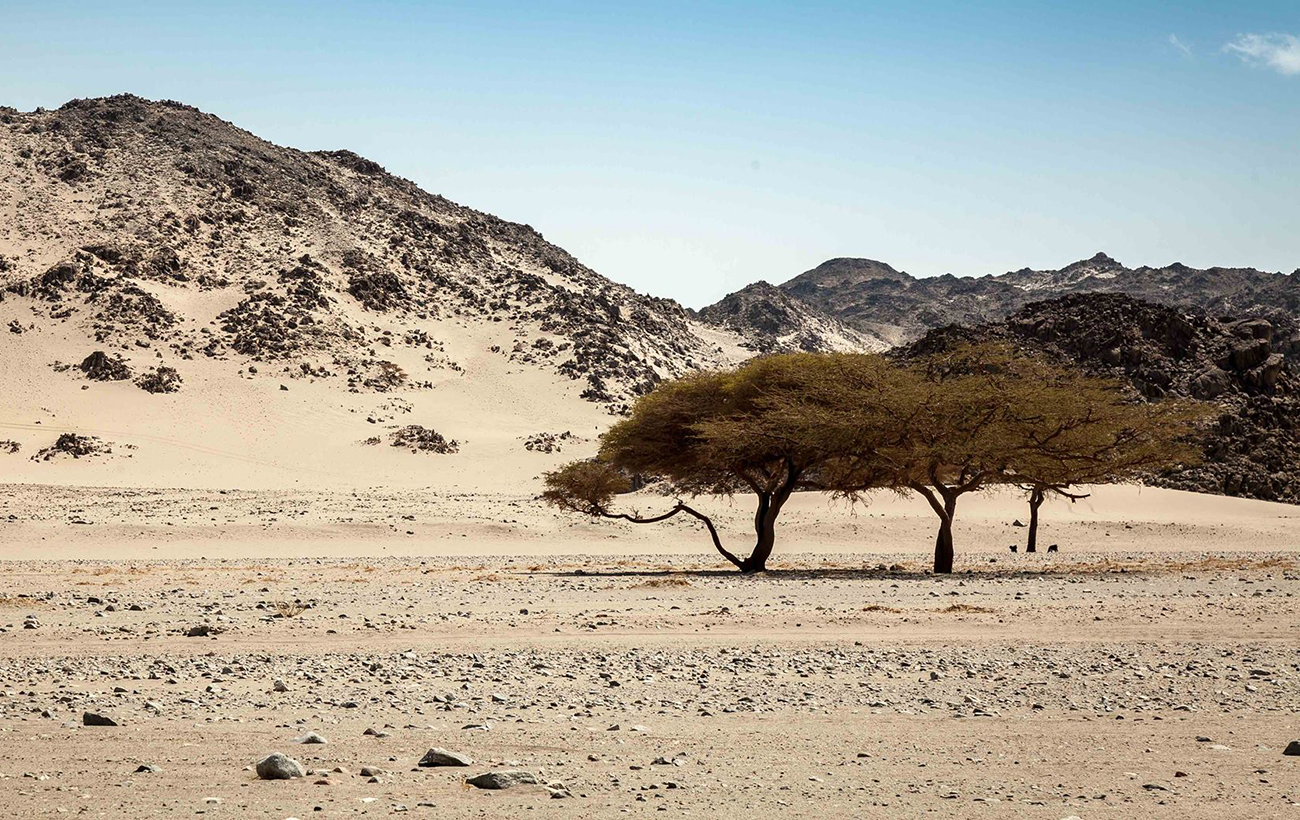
[{"x": 1150, "y": 668}]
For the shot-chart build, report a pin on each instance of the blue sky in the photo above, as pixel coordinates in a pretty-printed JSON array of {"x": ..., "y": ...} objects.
[{"x": 688, "y": 149}]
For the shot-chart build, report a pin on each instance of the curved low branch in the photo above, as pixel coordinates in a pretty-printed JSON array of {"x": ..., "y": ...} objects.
[
  {"x": 680, "y": 507},
  {"x": 713, "y": 533}
]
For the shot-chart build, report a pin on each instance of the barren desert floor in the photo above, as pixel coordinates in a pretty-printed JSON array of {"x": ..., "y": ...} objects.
[{"x": 1151, "y": 668}]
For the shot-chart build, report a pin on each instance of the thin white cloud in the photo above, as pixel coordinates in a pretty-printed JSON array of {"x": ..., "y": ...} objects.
[
  {"x": 1280, "y": 52},
  {"x": 1180, "y": 45}
]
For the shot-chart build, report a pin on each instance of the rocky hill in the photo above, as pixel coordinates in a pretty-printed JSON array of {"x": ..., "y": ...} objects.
[
  {"x": 874, "y": 297},
  {"x": 184, "y": 303},
  {"x": 112, "y": 210},
  {"x": 772, "y": 321},
  {"x": 1246, "y": 365}
]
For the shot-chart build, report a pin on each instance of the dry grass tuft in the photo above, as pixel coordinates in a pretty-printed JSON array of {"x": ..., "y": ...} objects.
[
  {"x": 880, "y": 608},
  {"x": 289, "y": 609},
  {"x": 14, "y": 602},
  {"x": 1210, "y": 563},
  {"x": 966, "y": 608},
  {"x": 672, "y": 581},
  {"x": 263, "y": 579}
]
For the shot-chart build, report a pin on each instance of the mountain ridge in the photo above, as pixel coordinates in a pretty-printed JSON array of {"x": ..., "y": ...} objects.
[{"x": 874, "y": 297}]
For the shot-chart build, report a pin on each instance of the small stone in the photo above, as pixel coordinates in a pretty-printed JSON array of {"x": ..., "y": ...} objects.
[
  {"x": 311, "y": 738},
  {"x": 95, "y": 719},
  {"x": 442, "y": 757},
  {"x": 502, "y": 779},
  {"x": 277, "y": 766},
  {"x": 146, "y": 768},
  {"x": 1292, "y": 749}
]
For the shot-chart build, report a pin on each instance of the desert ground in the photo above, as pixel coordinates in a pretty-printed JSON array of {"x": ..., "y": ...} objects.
[{"x": 1149, "y": 668}]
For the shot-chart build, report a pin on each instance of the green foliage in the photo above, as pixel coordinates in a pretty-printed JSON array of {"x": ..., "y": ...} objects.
[
  {"x": 756, "y": 428},
  {"x": 943, "y": 425},
  {"x": 585, "y": 487},
  {"x": 718, "y": 433}
]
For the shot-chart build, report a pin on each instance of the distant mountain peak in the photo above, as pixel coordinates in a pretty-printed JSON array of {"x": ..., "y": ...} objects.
[
  {"x": 850, "y": 266},
  {"x": 1100, "y": 260}
]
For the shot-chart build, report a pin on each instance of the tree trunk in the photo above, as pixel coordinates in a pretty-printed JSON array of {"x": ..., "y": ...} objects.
[
  {"x": 943, "y": 548},
  {"x": 1035, "y": 501},
  {"x": 945, "y": 509},
  {"x": 769, "y": 507},
  {"x": 766, "y": 540},
  {"x": 943, "y": 552}
]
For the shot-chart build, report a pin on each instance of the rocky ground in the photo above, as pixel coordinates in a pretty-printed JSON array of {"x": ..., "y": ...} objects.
[{"x": 1105, "y": 681}]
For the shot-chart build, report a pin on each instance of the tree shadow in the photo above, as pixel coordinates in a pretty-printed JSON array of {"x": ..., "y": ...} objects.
[{"x": 848, "y": 573}]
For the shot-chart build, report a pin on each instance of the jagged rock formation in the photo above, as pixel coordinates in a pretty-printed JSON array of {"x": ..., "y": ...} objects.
[
  {"x": 113, "y": 207},
  {"x": 1253, "y": 449},
  {"x": 873, "y": 297},
  {"x": 772, "y": 321}
]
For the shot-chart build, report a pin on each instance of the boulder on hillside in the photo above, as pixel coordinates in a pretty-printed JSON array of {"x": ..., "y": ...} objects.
[{"x": 101, "y": 367}]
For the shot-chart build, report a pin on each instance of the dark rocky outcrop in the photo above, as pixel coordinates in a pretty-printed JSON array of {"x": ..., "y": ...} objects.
[
  {"x": 101, "y": 367},
  {"x": 74, "y": 445},
  {"x": 161, "y": 379},
  {"x": 1252, "y": 450},
  {"x": 419, "y": 439}
]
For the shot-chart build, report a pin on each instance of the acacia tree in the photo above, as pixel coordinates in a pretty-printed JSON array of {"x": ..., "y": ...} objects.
[
  {"x": 985, "y": 414},
  {"x": 751, "y": 430},
  {"x": 956, "y": 437},
  {"x": 1075, "y": 429}
]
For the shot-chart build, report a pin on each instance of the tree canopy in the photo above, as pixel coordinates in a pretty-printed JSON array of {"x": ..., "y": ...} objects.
[
  {"x": 940, "y": 425},
  {"x": 751, "y": 430}
]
